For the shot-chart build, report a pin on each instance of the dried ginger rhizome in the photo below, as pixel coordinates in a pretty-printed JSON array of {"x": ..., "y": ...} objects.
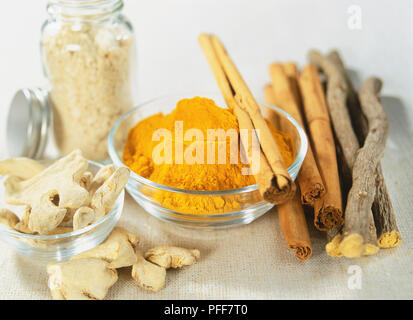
[{"x": 200, "y": 151}]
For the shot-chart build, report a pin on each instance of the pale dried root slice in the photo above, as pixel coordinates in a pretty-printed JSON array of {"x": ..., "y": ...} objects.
[
  {"x": 118, "y": 249},
  {"x": 8, "y": 218},
  {"x": 148, "y": 275},
  {"x": 105, "y": 197},
  {"x": 50, "y": 192},
  {"x": 172, "y": 257},
  {"x": 68, "y": 219},
  {"x": 23, "y": 168},
  {"x": 83, "y": 217},
  {"x": 45, "y": 215},
  {"x": 23, "y": 225},
  {"x": 83, "y": 279},
  {"x": 86, "y": 180},
  {"x": 101, "y": 176}
]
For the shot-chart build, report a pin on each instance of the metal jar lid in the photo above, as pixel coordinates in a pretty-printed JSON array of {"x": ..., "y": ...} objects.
[{"x": 28, "y": 123}]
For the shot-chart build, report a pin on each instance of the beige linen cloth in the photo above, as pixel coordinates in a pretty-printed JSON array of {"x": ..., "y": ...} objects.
[
  {"x": 252, "y": 261},
  {"x": 248, "y": 262}
]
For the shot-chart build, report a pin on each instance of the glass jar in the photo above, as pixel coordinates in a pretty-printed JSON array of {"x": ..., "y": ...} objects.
[{"x": 88, "y": 56}]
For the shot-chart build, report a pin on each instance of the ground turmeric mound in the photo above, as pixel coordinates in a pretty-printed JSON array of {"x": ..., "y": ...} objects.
[{"x": 201, "y": 114}]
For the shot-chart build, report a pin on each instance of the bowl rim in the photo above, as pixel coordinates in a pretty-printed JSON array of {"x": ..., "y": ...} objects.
[
  {"x": 134, "y": 176},
  {"x": 107, "y": 217}
]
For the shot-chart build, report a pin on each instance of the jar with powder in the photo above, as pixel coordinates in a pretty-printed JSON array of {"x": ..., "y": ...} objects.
[{"x": 88, "y": 53}]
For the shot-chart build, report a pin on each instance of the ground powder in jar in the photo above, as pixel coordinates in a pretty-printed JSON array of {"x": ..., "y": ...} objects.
[{"x": 89, "y": 68}]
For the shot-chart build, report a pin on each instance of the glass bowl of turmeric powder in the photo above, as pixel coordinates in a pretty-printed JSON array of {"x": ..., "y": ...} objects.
[{"x": 186, "y": 167}]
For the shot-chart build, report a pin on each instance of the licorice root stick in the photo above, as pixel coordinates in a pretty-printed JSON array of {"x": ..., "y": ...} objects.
[
  {"x": 287, "y": 98},
  {"x": 388, "y": 235},
  {"x": 328, "y": 212},
  {"x": 359, "y": 222}
]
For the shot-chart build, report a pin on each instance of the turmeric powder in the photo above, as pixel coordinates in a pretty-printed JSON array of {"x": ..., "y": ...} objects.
[{"x": 202, "y": 114}]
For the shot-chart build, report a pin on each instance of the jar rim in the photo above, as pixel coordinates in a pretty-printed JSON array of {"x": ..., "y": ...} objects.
[
  {"x": 28, "y": 121},
  {"x": 83, "y": 9}
]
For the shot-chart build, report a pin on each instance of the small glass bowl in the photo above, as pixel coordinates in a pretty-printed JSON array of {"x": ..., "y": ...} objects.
[
  {"x": 61, "y": 246},
  {"x": 249, "y": 205}
]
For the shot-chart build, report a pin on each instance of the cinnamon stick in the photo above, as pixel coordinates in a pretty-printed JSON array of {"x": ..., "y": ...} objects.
[
  {"x": 388, "y": 235},
  {"x": 291, "y": 71},
  {"x": 328, "y": 211},
  {"x": 358, "y": 237},
  {"x": 265, "y": 177},
  {"x": 282, "y": 187},
  {"x": 337, "y": 97},
  {"x": 337, "y": 92},
  {"x": 287, "y": 98},
  {"x": 294, "y": 227},
  {"x": 273, "y": 117},
  {"x": 291, "y": 214}
]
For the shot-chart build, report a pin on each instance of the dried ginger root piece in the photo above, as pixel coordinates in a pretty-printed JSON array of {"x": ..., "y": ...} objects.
[
  {"x": 118, "y": 249},
  {"x": 83, "y": 279},
  {"x": 23, "y": 225},
  {"x": 68, "y": 219},
  {"x": 101, "y": 176},
  {"x": 45, "y": 215},
  {"x": 105, "y": 196},
  {"x": 50, "y": 192},
  {"x": 148, "y": 275},
  {"x": 172, "y": 257},
  {"x": 23, "y": 168},
  {"x": 8, "y": 218},
  {"x": 86, "y": 180},
  {"x": 83, "y": 217}
]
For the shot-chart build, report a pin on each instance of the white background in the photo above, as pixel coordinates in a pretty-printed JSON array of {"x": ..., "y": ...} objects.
[{"x": 256, "y": 33}]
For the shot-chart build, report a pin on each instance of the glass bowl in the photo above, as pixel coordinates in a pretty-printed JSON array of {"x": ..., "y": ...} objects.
[
  {"x": 248, "y": 204},
  {"x": 61, "y": 246}
]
